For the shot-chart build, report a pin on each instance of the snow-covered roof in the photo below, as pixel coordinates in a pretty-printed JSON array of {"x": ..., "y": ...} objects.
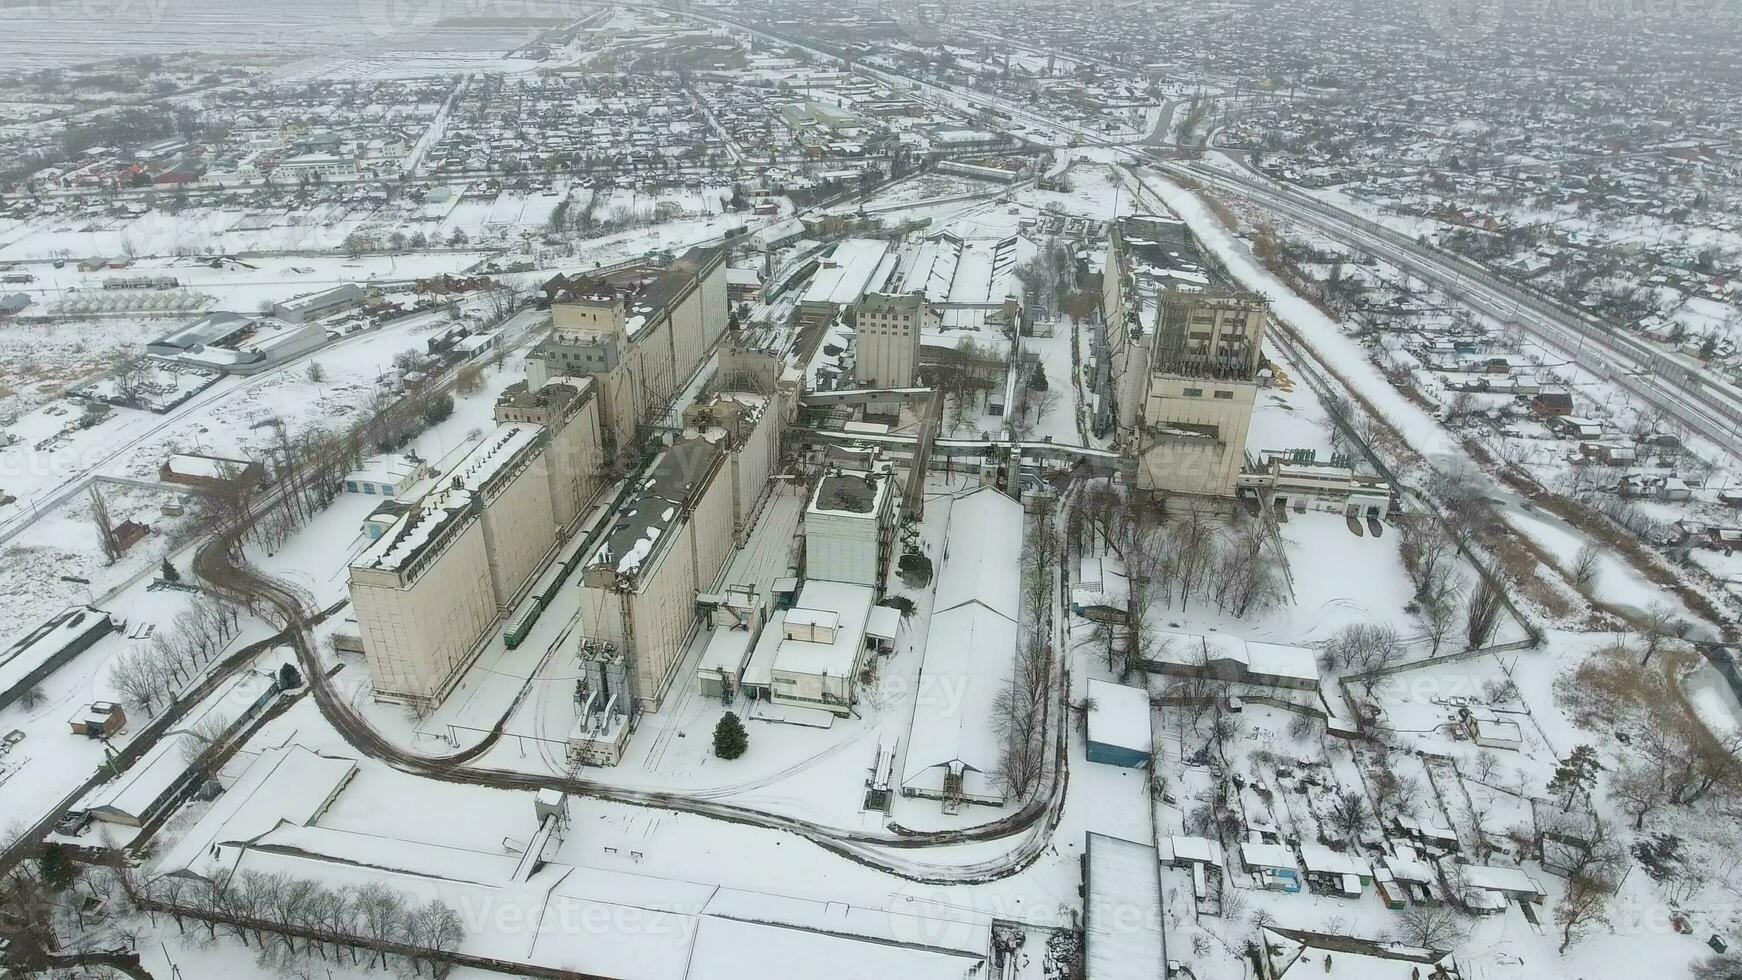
[
  {"x": 848, "y": 272},
  {"x": 407, "y": 537},
  {"x": 969, "y": 650},
  {"x": 283, "y": 785},
  {"x": 498, "y": 451},
  {"x": 726, "y": 650},
  {"x": 837, "y": 606},
  {"x": 1512, "y": 881},
  {"x": 1122, "y": 916},
  {"x": 883, "y": 622},
  {"x": 1199, "y": 849},
  {"x": 146, "y": 781},
  {"x": 1322, "y": 860},
  {"x": 206, "y": 467},
  {"x": 47, "y": 641},
  {"x": 1120, "y": 716},
  {"x": 1262, "y": 659},
  {"x": 971, "y": 638},
  {"x": 1260, "y": 855},
  {"x": 982, "y": 553},
  {"x": 390, "y": 469},
  {"x": 646, "y": 519}
]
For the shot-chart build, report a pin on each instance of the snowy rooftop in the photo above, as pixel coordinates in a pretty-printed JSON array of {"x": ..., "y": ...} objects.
[
  {"x": 390, "y": 469},
  {"x": 725, "y": 651},
  {"x": 1267, "y": 659},
  {"x": 206, "y": 467},
  {"x": 837, "y": 606},
  {"x": 1322, "y": 860},
  {"x": 143, "y": 783},
  {"x": 499, "y": 450},
  {"x": 847, "y": 273},
  {"x": 1120, "y": 717},
  {"x": 47, "y": 640},
  {"x": 982, "y": 553},
  {"x": 1122, "y": 927},
  {"x": 407, "y": 537},
  {"x": 283, "y": 785},
  {"x": 849, "y": 494},
  {"x": 949, "y": 269},
  {"x": 647, "y": 517},
  {"x": 971, "y": 639}
]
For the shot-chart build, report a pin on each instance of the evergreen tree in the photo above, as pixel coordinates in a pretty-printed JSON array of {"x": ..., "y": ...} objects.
[
  {"x": 57, "y": 870},
  {"x": 169, "y": 573},
  {"x": 1575, "y": 776},
  {"x": 730, "y": 738},
  {"x": 289, "y": 678}
]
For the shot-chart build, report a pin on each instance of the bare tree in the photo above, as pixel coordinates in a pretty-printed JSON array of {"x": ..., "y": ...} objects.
[
  {"x": 1583, "y": 908},
  {"x": 1438, "y": 610},
  {"x": 1657, "y": 625},
  {"x": 1430, "y": 927},
  {"x": 1641, "y": 786},
  {"x": 1349, "y": 815},
  {"x": 128, "y": 372},
  {"x": 1019, "y": 720},
  {"x": 1586, "y": 565}
]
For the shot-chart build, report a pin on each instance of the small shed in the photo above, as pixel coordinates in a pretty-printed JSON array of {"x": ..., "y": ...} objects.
[
  {"x": 99, "y": 719},
  {"x": 1119, "y": 725},
  {"x": 1273, "y": 865}
]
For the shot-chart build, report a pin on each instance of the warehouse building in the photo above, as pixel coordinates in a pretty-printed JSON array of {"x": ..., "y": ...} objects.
[
  {"x": 970, "y": 649},
  {"x": 48, "y": 647}
]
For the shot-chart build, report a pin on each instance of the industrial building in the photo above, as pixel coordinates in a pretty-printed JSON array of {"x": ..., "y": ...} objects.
[
  {"x": 970, "y": 649},
  {"x": 316, "y": 305},
  {"x": 1124, "y": 936},
  {"x": 1178, "y": 366},
  {"x": 638, "y": 334},
  {"x": 568, "y": 409},
  {"x": 849, "y": 527},
  {"x": 888, "y": 329},
  {"x": 670, "y": 540},
  {"x": 423, "y": 597},
  {"x": 506, "y": 477},
  {"x": 853, "y": 268}
]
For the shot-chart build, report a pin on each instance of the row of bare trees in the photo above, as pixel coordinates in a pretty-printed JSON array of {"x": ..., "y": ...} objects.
[
  {"x": 149, "y": 675},
  {"x": 311, "y": 465},
  {"x": 368, "y": 922},
  {"x": 1020, "y": 712}
]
